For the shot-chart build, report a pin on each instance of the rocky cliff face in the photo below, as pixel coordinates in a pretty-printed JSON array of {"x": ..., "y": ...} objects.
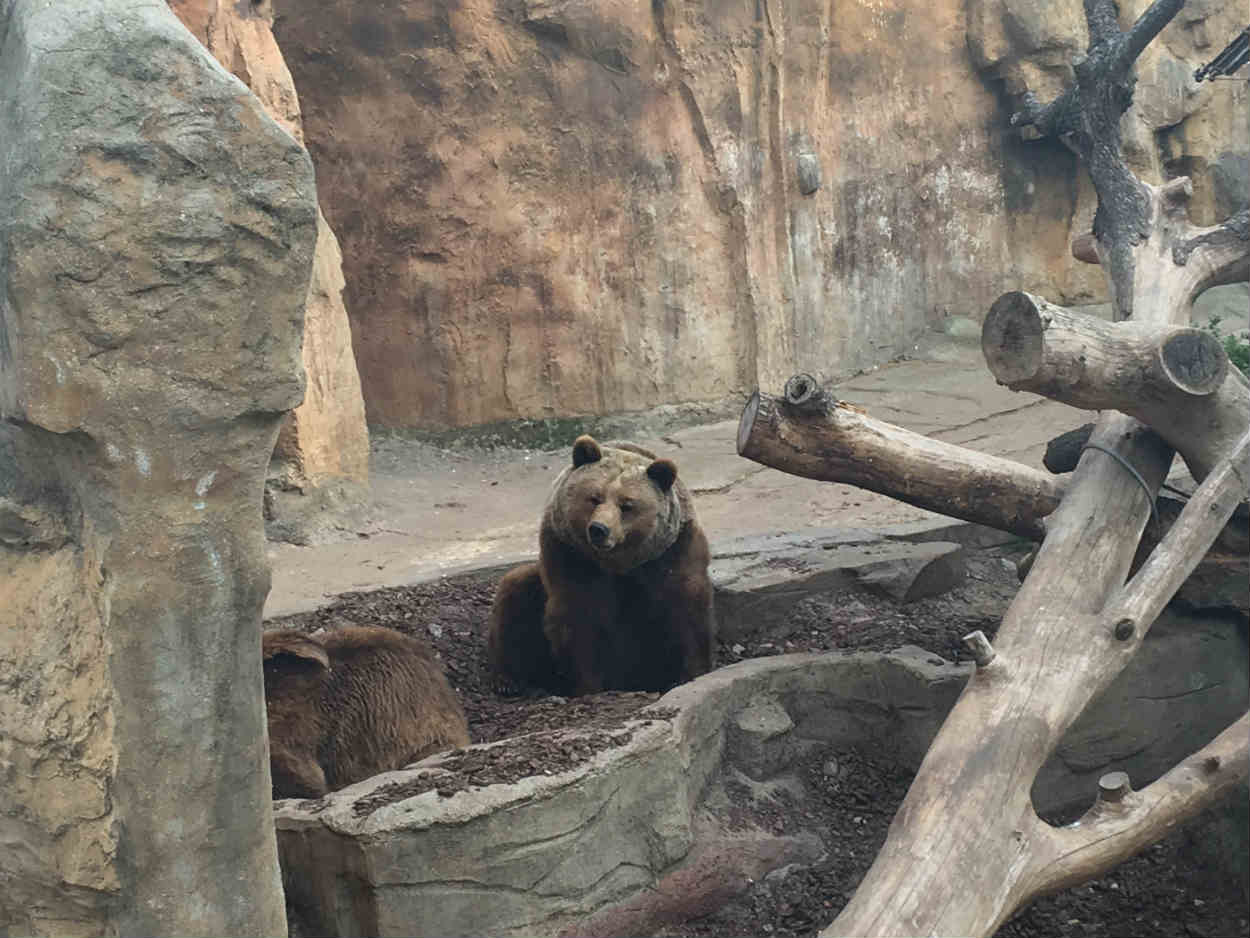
[{"x": 551, "y": 207}]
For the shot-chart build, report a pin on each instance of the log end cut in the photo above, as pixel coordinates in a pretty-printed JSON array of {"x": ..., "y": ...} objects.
[
  {"x": 747, "y": 423},
  {"x": 1011, "y": 338},
  {"x": 1194, "y": 361}
]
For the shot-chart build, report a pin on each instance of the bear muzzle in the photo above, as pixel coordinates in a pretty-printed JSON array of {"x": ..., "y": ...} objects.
[{"x": 600, "y": 536}]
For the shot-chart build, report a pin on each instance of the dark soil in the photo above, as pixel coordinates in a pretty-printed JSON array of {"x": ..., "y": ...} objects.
[
  {"x": 850, "y": 798},
  {"x": 451, "y": 615},
  {"x": 851, "y": 795}
]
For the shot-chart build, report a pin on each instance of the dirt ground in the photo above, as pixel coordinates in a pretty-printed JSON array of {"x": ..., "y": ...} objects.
[{"x": 851, "y": 795}]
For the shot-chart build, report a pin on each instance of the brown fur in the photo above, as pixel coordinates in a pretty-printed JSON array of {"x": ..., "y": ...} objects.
[
  {"x": 626, "y": 607},
  {"x": 348, "y": 704}
]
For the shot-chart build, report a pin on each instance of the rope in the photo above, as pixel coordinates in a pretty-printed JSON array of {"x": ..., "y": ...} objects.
[{"x": 1154, "y": 513}]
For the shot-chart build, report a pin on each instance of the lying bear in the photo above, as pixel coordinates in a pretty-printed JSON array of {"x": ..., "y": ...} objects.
[
  {"x": 620, "y": 598},
  {"x": 351, "y": 703}
]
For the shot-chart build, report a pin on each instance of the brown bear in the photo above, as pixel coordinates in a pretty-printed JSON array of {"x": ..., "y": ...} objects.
[
  {"x": 351, "y": 703},
  {"x": 620, "y": 598}
]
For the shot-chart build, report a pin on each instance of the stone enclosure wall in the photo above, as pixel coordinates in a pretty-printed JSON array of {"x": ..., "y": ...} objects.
[{"x": 552, "y": 208}]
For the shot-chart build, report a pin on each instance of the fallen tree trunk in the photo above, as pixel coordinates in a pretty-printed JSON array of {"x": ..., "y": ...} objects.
[
  {"x": 810, "y": 433},
  {"x": 1173, "y": 378}
]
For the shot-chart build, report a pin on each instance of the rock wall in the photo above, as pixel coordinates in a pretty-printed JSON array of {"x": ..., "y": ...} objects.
[
  {"x": 156, "y": 238},
  {"x": 553, "y": 208},
  {"x": 557, "y": 208},
  {"x": 1175, "y": 126},
  {"x": 325, "y": 438}
]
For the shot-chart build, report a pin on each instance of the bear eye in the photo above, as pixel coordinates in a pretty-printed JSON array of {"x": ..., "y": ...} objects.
[
  {"x": 626, "y": 507},
  {"x": 596, "y": 499}
]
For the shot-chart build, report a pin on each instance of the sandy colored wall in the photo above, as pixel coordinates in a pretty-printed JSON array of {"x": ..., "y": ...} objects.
[{"x": 551, "y": 208}]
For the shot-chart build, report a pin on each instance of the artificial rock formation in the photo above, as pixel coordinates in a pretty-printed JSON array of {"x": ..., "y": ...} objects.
[
  {"x": 156, "y": 238},
  {"x": 1175, "y": 126},
  {"x": 325, "y": 439},
  {"x": 552, "y": 208}
]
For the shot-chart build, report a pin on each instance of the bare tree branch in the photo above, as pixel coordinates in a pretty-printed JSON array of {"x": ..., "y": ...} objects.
[
  {"x": 1114, "y": 831},
  {"x": 1139, "y": 602},
  {"x": 814, "y": 435}
]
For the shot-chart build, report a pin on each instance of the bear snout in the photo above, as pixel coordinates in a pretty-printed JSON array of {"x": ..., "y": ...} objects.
[{"x": 600, "y": 534}]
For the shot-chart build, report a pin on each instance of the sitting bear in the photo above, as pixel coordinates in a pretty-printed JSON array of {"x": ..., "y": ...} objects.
[{"x": 620, "y": 598}]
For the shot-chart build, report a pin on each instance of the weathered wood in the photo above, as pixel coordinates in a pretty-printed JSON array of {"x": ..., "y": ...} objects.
[
  {"x": 1200, "y": 523},
  {"x": 966, "y": 848},
  {"x": 822, "y": 438},
  {"x": 818, "y": 437},
  {"x": 1115, "y": 830},
  {"x": 1175, "y": 379},
  {"x": 954, "y": 862}
]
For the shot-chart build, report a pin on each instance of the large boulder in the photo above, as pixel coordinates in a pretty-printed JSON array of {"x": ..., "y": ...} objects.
[
  {"x": 156, "y": 238},
  {"x": 324, "y": 443}
]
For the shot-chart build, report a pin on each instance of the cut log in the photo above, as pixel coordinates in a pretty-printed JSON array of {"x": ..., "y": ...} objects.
[
  {"x": 810, "y": 433},
  {"x": 1175, "y": 379}
]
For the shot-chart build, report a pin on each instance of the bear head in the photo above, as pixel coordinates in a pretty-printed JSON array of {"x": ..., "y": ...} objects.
[{"x": 618, "y": 505}]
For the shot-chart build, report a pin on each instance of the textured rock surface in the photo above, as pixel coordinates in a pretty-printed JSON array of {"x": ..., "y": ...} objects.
[
  {"x": 552, "y": 208},
  {"x": 1175, "y": 125},
  {"x": 759, "y": 580},
  {"x": 325, "y": 438},
  {"x": 530, "y": 857},
  {"x": 156, "y": 236},
  {"x": 595, "y": 845}
]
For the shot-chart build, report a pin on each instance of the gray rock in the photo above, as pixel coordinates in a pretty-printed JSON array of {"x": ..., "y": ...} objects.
[
  {"x": 807, "y": 169},
  {"x": 921, "y": 570},
  {"x": 760, "y": 580},
  {"x": 759, "y": 742},
  {"x": 1188, "y": 681},
  {"x": 156, "y": 235}
]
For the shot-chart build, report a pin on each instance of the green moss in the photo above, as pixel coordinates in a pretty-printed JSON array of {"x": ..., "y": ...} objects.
[{"x": 1238, "y": 348}]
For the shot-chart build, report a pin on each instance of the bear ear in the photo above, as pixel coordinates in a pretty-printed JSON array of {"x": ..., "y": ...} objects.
[
  {"x": 292, "y": 646},
  {"x": 585, "y": 450},
  {"x": 662, "y": 472}
]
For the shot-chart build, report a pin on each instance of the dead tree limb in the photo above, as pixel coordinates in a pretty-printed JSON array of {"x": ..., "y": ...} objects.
[
  {"x": 1123, "y": 822},
  {"x": 1201, "y": 521},
  {"x": 966, "y": 848},
  {"x": 809, "y": 433},
  {"x": 1174, "y": 378},
  {"x": 829, "y": 440}
]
